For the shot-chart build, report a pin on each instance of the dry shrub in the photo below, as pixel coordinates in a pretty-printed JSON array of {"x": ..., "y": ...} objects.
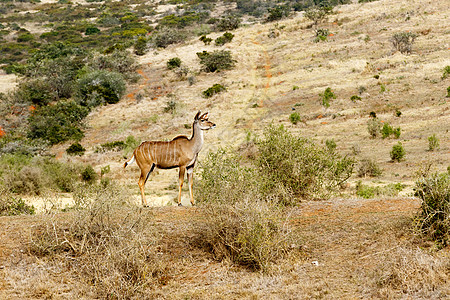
[
  {"x": 251, "y": 233},
  {"x": 104, "y": 241},
  {"x": 434, "y": 217},
  {"x": 405, "y": 273},
  {"x": 368, "y": 167}
]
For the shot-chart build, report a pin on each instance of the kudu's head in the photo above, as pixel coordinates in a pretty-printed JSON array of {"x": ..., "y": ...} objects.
[{"x": 203, "y": 122}]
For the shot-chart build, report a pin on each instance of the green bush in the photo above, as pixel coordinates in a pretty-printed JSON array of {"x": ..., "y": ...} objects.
[
  {"x": 13, "y": 206},
  {"x": 277, "y": 13},
  {"x": 397, "y": 153},
  {"x": 228, "y": 23},
  {"x": 403, "y": 41},
  {"x": 91, "y": 30},
  {"x": 294, "y": 118},
  {"x": 131, "y": 143},
  {"x": 215, "y": 89},
  {"x": 171, "y": 106},
  {"x": 446, "y": 72},
  {"x": 111, "y": 146},
  {"x": 61, "y": 176},
  {"x": 120, "y": 61},
  {"x": 433, "y": 143},
  {"x": 75, "y": 149},
  {"x": 25, "y": 37},
  {"x": 367, "y": 192},
  {"x": 355, "y": 98},
  {"x": 140, "y": 47},
  {"x": 33, "y": 175},
  {"x": 205, "y": 40},
  {"x": 387, "y": 131},
  {"x": 374, "y": 127},
  {"x": 100, "y": 87},
  {"x": 434, "y": 217},
  {"x": 57, "y": 123},
  {"x": 224, "y": 179},
  {"x": 89, "y": 175},
  {"x": 448, "y": 92},
  {"x": 37, "y": 91},
  {"x": 294, "y": 164},
  {"x": 255, "y": 8},
  {"x": 327, "y": 96},
  {"x": 216, "y": 61},
  {"x": 225, "y": 38},
  {"x": 173, "y": 63},
  {"x": 368, "y": 167}
]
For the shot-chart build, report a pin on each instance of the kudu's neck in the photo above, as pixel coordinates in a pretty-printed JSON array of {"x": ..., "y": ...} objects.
[{"x": 196, "y": 138}]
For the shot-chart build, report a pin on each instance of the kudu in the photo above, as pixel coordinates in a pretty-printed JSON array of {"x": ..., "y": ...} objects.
[{"x": 180, "y": 152}]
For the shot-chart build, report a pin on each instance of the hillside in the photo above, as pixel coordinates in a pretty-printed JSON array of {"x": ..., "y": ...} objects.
[{"x": 289, "y": 72}]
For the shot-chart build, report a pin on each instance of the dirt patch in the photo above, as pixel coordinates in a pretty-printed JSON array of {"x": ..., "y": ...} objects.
[{"x": 7, "y": 82}]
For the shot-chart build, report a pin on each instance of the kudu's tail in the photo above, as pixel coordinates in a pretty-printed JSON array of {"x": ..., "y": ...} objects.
[{"x": 129, "y": 162}]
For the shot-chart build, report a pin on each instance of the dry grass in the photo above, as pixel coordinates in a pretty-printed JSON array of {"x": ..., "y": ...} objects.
[{"x": 348, "y": 249}]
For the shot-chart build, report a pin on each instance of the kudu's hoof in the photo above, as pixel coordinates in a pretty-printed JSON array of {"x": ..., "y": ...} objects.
[{"x": 179, "y": 204}]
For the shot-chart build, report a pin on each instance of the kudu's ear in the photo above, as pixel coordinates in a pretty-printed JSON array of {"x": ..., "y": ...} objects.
[
  {"x": 197, "y": 115},
  {"x": 204, "y": 116}
]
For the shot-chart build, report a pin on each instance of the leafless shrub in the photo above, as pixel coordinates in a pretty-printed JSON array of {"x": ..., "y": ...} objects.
[
  {"x": 104, "y": 241},
  {"x": 412, "y": 273},
  {"x": 368, "y": 167},
  {"x": 403, "y": 41},
  {"x": 251, "y": 233},
  {"x": 434, "y": 217}
]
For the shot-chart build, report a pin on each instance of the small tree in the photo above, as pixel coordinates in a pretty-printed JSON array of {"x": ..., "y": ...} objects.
[
  {"x": 403, "y": 41},
  {"x": 327, "y": 96},
  {"x": 397, "y": 152},
  {"x": 316, "y": 14}
]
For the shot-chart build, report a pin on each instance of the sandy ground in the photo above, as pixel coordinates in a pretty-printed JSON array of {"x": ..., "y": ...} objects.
[{"x": 7, "y": 82}]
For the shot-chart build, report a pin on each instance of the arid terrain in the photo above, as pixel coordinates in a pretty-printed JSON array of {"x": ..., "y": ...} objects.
[{"x": 346, "y": 247}]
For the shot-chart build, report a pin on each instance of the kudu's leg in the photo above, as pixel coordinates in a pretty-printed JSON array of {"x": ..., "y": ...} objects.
[
  {"x": 181, "y": 179},
  {"x": 190, "y": 176},
  {"x": 145, "y": 173}
]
